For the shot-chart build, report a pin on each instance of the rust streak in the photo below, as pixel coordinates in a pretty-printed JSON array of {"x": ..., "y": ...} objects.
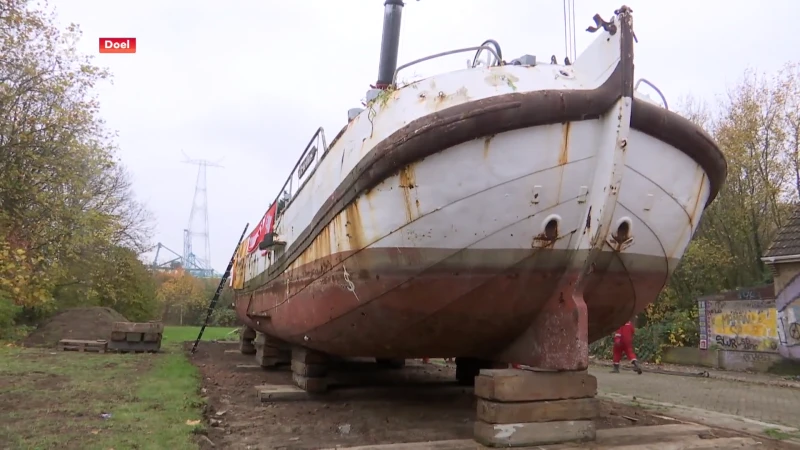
[
  {"x": 354, "y": 229},
  {"x": 548, "y": 237},
  {"x": 563, "y": 154},
  {"x": 319, "y": 249},
  {"x": 407, "y": 183},
  {"x": 486, "y": 143},
  {"x": 588, "y": 226}
]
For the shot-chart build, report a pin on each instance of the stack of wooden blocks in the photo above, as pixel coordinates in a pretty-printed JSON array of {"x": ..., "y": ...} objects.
[
  {"x": 247, "y": 337},
  {"x": 136, "y": 337},
  {"x": 310, "y": 370},
  {"x": 527, "y": 408},
  {"x": 270, "y": 352}
]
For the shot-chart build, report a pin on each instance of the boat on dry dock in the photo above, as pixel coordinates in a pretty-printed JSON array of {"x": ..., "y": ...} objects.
[{"x": 510, "y": 211}]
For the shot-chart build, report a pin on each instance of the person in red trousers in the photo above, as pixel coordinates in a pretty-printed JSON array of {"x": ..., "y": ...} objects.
[{"x": 623, "y": 343}]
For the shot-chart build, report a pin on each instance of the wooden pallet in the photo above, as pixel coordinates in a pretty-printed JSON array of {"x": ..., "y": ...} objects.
[
  {"x": 78, "y": 345},
  {"x": 136, "y": 351},
  {"x": 134, "y": 347}
]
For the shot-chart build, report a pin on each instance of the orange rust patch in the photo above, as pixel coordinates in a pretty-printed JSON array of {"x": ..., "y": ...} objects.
[
  {"x": 354, "y": 229},
  {"x": 548, "y": 237},
  {"x": 320, "y": 247},
  {"x": 563, "y": 153},
  {"x": 407, "y": 186},
  {"x": 345, "y": 227}
]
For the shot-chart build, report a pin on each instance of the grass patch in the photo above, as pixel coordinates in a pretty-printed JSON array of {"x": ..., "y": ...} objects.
[
  {"x": 52, "y": 399},
  {"x": 177, "y": 335},
  {"x": 780, "y": 435}
]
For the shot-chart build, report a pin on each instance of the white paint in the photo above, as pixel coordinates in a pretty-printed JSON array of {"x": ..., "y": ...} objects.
[
  {"x": 787, "y": 316},
  {"x": 467, "y": 197},
  {"x": 505, "y": 431}
]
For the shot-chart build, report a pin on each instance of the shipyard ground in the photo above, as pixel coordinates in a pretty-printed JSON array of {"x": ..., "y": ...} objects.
[
  {"x": 70, "y": 400},
  {"x": 365, "y": 416}
]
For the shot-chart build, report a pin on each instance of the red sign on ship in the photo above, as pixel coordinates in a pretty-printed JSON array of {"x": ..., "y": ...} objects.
[{"x": 264, "y": 227}]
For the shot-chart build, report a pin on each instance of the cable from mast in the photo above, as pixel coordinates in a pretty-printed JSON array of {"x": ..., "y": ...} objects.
[
  {"x": 570, "y": 47},
  {"x": 574, "y": 34}
]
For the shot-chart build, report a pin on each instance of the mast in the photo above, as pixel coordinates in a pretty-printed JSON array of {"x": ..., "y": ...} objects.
[{"x": 390, "y": 42}]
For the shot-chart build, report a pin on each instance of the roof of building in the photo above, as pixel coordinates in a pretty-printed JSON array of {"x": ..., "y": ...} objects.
[{"x": 787, "y": 242}]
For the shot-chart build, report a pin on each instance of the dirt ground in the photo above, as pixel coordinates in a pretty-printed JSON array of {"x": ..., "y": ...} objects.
[
  {"x": 77, "y": 323},
  {"x": 240, "y": 421}
]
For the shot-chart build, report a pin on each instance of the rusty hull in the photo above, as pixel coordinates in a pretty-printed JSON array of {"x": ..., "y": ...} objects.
[{"x": 411, "y": 302}]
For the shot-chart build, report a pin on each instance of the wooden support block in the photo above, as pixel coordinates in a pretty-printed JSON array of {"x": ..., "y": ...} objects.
[
  {"x": 247, "y": 333},
  {"x": 247, "y": 348},
  {"x": 134, "y": 337},
  {"x": 118, "y": 335},
  {"x": 267, "y": 361},
  {"x": 277, "y": 393},
  {"x": 450, "y": 444},
  {"x": 513, "y": 385},
  {"x": 311, "y": 385},
  {"x": 544, "y": 411},
  {"x": 308, "y": 356},
  {"x": 151, "y": 337},
  {"x": 138, "y": 327},
  {"x": 270, "y": 356},
  {"x": 125, "y": 346},
  {"x": 260, "y": 339},
  {"x": 309, "y": 370},
  {"x": 269, "y": 341},
  {"x": 268, "y": 351},
  {"x": 530, "y": 434}
]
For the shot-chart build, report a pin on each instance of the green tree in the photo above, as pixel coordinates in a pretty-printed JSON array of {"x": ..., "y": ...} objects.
[
  {"x": 757, "y": 127},
  {"x": 66, "y": 205},
  {"x": 182, "y": 298}
]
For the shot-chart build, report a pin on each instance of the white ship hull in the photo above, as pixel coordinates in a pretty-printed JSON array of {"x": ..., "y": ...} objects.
[{"x": 453, "y": 216}]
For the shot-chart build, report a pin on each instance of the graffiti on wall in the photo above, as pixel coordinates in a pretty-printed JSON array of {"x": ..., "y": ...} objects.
[
  {"x": 742, "y": 325},
  {"x": 788, "y": 326},
  {"x": 787, "y": 304}
]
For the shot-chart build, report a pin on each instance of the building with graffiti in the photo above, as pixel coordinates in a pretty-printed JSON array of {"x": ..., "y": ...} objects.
[
  {"x": 783, "y": 258},
  {"x": 739, "y": 329},
  {"x": 753, "y": 328}
]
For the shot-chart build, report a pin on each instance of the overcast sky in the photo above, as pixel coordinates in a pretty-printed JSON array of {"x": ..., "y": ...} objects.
[{"x": 248, "y": 82}]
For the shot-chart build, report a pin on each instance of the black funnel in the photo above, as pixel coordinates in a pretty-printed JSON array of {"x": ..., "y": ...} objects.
[{"x": 390, "y": 42}]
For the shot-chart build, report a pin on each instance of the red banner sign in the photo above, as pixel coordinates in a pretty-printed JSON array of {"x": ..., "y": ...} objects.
[{"x": 264, "y": 227}]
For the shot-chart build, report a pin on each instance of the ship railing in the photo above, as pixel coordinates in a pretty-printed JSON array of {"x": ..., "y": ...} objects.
[
  {"x": 303, "y": 170},
  {"x": 658, "y": 91},
  {"x": 449, "y": 52}
]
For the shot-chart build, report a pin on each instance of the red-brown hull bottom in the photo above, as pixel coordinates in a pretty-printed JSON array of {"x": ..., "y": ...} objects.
[{"x": 411, "y": 303}]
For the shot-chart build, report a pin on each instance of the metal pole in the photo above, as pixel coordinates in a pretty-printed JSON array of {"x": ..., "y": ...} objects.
[
  {"x": 215, "y": 298},
  {"x": 390, "y": 42}
]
